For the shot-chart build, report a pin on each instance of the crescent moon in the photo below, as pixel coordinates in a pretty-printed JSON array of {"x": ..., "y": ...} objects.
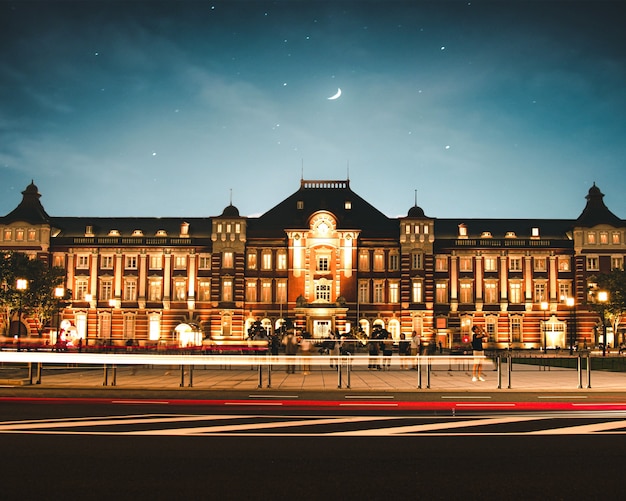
[{"x": 336, "y": 96}]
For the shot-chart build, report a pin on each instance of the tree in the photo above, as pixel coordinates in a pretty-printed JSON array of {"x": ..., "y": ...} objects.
[
  {"x": 614, "y": 283},
  {"x": 38, "y": 299}
]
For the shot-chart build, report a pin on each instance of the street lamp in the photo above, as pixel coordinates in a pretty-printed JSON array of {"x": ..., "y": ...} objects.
[
  {"x": 571, "y": 302},
  {"x": 59, "y": 292},
  {"x": 21, "y": 284},
  {"x": 603, "y": 297},
  {"x": 544, "y": 308}
]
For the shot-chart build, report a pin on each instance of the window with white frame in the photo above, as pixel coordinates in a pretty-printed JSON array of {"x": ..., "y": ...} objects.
[
  {"x": 515, "y": 292},
  {"x": 617, "y": 262},
  {"x": 204, "y": 262},
  {"x": 180, "y": 262},
  {"x": 394, "y": 292},
  {"x": 563, "y": 263},
  {"x": 540, "y": 292},
  {"x": 417, "y": 261},
  {"x": 80, "y": 288},
  {"x": 364, "y": 291},
  {"x": 540, "y": 264},
  {"x": 155, "y": 289},
  {"x": 251, "y": 261},
  {"x": 154, "y": 326},
  {"x": 204, "y": 289},
  {"x": 251, "y": 291},
  {"x": 281, "y": 291},
  {"x": 441, "y": 263},
  {"x": 131, "y": 262},
  {"x": 490, "y": 263},
  {"x": 130, "y": 290},
  {"x": 565, "y": 290},
  {"x": 491, "y": 328},
  {"x": 106, "y": 289},
  {"x": 604, "y": 237},
  {"x": 322, "y": 290},
  {"x": 616, "y": 237},
  {"x": 156, "y": 261},
  {"x": 129, "y": 325},
  {"x": 465, "y": 263},
  {"x": 515, "y": 264},
  {"x": 379, "y": 291},
  {"x": 516, "y": 329},
  {"x": 417, "y": 291},
  {"x": 593, "y": 263},
  {"x": 106, "y": 262},
  {"x": 82, "y": 261},
  {"x": 323, "y": 263},
  {"x": 591, "y": 237}
]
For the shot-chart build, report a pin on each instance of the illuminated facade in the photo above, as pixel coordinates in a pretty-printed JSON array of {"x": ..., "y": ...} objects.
[{"x": 327, "y": 260}]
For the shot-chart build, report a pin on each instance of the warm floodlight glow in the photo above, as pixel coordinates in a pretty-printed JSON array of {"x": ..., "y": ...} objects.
[
  {"x": 603, "y": 296},
  {"x": 21, "y": 284}
]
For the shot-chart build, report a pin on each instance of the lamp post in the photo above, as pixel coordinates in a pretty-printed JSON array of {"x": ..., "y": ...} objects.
[
  {"x": 571, "y": 302},
  {"x": 603, "y": 297},
  {"x": 59, "y": 292},
  {"x": 544, "y": 308},
  {"x": 21, "y": 284}
]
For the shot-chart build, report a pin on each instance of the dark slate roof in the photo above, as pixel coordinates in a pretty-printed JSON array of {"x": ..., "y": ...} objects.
[
  {"x": 330, "y": 196},
  {"x": 548, "y": 228},
  {"x": 596, "y": 212},
  {"x": 75, "y": 226},
  {"x": 30, "y": 209}
]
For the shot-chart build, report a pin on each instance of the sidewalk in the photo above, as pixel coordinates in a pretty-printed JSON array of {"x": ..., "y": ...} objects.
[{"x": 443, "y": 377}]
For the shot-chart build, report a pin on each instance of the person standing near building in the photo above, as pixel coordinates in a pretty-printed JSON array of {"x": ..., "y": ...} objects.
[
  {"x": 414, "y": 348},
  {"x": 404, "y": 347},
  {"x": 291, "y": 349},
  {"x": 306, "y": 350},
  {"x": 478, "y": 352}
]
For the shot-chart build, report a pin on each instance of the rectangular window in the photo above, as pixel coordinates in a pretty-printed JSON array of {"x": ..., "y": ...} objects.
[
  {"x": 82, "y": 261},
  {"x": 80, "y": 289},
  {"x": 563, "y": 263},
  {"x": 204, "y": 262},
  {"x": 323, "y": 263},
  {"x": 266, "y": 260},
  {"x": 417, "y": 291},
  {"x": 19, "y": 235},
  {"x": 515, "y": 264},
  {"x": 394, "y": 292},
  {"x": 281, "y": 292},
  {"x": 364, "y": 291},
  {"x": 322, "y": 292},
  {"x": 491, "y": 292},
  {"x": 540, "y": 292},
  {"x": 465, "y": 263},
  {"x": 379, "y": 261},
  {"x": 156, "y": 262},
  {"x": 251, "y": 260},
  {"x": 204, "y": 290},
  {"x": 106, "y": 262},
  {"x": 364, "y": 261},
  {"x": 32, "y": 235},
  {"x": 106, "y": 290},
  {"x": 180, "y": 262},
  {"x": 180, "y": 289},
  {"x": 378, "y": 292},
  {"x": 565, "y": 290},
  {"x": 441, "y": 292},
  {"x": 617, "y": 263},
  {"x": 8, "y": 235},
  {"x": 515, "y": 293},
  {"x": 266, "y": 291},
  {"x": 129, "y": 326},
  {"x": 441, "y": 263},
  {"x": 466, "y": 293},
  {"x": 251, "y": 291},
  {"x": 604, "y": 238},
  {"x": 491, "y": 263},
  {"x": 281, "y": 260},
  {"x": 130, "y": 290},
  {"x": 394, "y": 262},
  {"x": 131, "y": 262},
  {"x": 593, "y": 263},
  {"x": 516, "y": 330},
  {"x": 154, "y": 329},
  {"x": 227, "y": 290},
  {"x": 616, "y": 237},
  {"x": 417, "y": 261},
  {"x": 591, "y": 238},
  {"x": 154, "y": 289},
  {"x": 227, "y": 260},
  {"x": 540, "y": 264}
]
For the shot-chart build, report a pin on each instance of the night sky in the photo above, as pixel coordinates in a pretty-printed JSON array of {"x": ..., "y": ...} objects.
[{"x": 146, "y": 108}]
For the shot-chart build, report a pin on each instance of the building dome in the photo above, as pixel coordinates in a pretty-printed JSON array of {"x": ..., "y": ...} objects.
[
  {"x": 416, "y": 211},
  {"x": 230, "y": 211}
]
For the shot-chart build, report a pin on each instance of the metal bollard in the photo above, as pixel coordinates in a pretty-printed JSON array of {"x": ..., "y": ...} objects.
[
  {"x": 510, "y": 364},
  {"x": 260, "y": 385},
  {"x": 580, "y": 371},
  {"x": 348, "y": 363},
  {"x": 419, "y": 372},
  {"x": 114, "y": 374},
  {"x": 106, "y": 376},
  {"x": 182, "y": 376},
  {"x": 499, "y": 369},
  {"x": 269, "y": 374},
  {"x": 428, "y": 369},
  {"x": 588, "y": 370},
  {"x": 339, "y": 371},
  {"x": 190, "y": 376}
]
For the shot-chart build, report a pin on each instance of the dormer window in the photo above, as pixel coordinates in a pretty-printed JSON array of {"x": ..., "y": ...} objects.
[
  {"x": 184, "y": 229},
  {"x": 161, "y": 233},
  {"x": 114, "y": 233},
  {"x": 300, "y": 204},
  {"x": 510, "y": 234},
  {"x": 486, "y": 234},
  {"x": 348, "y": 205},
  {"x": 137, "y": 233},
  {"x": 462, "y": 231},
  {"x": 534, "y": 233},
  {"x": 89, "y": 231}
]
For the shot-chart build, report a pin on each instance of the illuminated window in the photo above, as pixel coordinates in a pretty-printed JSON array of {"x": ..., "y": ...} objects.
[
  {"x": 466, "y": 292},
  {"x": 266, "y": 259},
  {"x": 491, "y": 292},
  {"x": 491, "y": 327},
  {"x": 515, "y": 292},
  {"x": 266, "y": 291},
  {"x": 348, "y": 205},
  {"x": 180, "y": 289},
  {"x": 591, "y": 237},
  {"x": 323, "y": 263},
  {"x": 465, "y": 263},
  {"x": 82, "y": 261},
  {"x": 227, "y": 290},
  {"x": 515, "y": 264},
  {"x": 616, "y": 237},
  {"x": 394, "y": 261},
  {"x": 462, "y": 230},
  {"x": 180, "y": 262},
  {"x": 281, "y": 260},
  {"x": 227, "y": 259},
  {"x": 491, "y": 263},
  {"x": 251, "y": 291},
  {"x": 8, "y": 234},
  {"x": 441, "y": 263},
  {"x": 617, "y": 263},
  {"x": 19, "y": 235},
  {"x": 379, "y": 260},
  {"x": 80, "y": 289},
  {"x": 593, "y": 263},
  {"x": 516, "y": 329},
  {"x": 251, "y": 260},
  {"x": 441, "y": 292},
  {"x": 565, "y": 290},
  {"x": 364, "y": 291},
  {"x": 204, "y": 262},
  {"x": 378, "y": 292},
  {"x": 156, "y": 262},
  {"x": 394, "y": 292},
  {"x": 604, "y": 238},
  {"x": 129, "y": 326},
  {"x": 539, "y": 264},
  {"x": 281, "y": 292},
  {"x": 563, "y": 263},
  {"x": 154, "y": 326},
  {"x": 130, "y": 290},
  {"x": 32, "y": 235},
  {"x": 364, "y": 261},
  {"x": 154, "y": 289},
  {"x": 322, "y": 291},
  {"x": 106, "y": 289},
  {"x": 417, "y": 291},
  {"x": 204, "y": 290},
  {"x": 106, "y": 262},
  {"x": 540, "y": 292},
  {"x": 417, "y": 261},
  {"x": 131, "y": 262}
]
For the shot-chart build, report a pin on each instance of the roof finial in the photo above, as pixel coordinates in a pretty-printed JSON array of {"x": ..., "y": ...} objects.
[
  {"x": 348, "y": 170},
  {"x": 415, "y": 198},
  {"x": 231, "y": 196}
]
